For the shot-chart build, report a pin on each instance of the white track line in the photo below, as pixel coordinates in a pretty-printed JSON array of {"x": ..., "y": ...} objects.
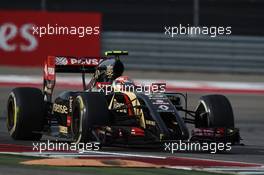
[
  {"x": 106, "y": 153},
  {"x": 91, "y": 154},
  {"x": 237, "y": 170},
  {"x": 126, "y": 154},
  {"x": 76, "y": 80},
  {"x": 217, "y": 160}
]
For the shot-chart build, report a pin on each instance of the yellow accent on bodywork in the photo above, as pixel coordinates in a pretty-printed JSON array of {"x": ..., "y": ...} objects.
[
  {"x": 116, "y": 52},
  {"x": 150, "y": 122},
  {"x": 63, "y": 129},
  {"x": 137, "y": 111},
  {"x": 135, "y": 102},
  {"x": 161, "y": 136}
]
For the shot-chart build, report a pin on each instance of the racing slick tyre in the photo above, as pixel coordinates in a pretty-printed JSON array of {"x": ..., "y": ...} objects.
[
  {"x": 25, "y": 113},
  {"x": 90, "y": 110},
  {"x": 214, "y": 111}
]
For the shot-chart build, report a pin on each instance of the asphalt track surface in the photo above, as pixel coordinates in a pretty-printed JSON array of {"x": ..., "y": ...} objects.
[{"x": 248, "y": 111}]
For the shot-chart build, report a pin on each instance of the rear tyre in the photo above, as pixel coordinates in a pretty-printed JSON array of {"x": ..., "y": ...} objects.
[
  {"x": 25, "y": 113},
  {"x": 90, "y": 110},
  {"x": 214, "y": 111}
]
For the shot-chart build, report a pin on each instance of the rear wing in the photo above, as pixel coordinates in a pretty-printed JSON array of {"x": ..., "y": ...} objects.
[{"x": 56, "y": 64}]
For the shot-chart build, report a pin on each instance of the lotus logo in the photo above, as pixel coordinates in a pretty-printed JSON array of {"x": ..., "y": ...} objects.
[{"x": 163, "y": 107}]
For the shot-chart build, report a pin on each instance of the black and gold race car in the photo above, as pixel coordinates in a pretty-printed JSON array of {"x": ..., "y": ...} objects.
[{"x": 112, "y": 109}]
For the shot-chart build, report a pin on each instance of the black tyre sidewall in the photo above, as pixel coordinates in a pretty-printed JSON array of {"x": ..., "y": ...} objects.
[
  {"x": 93, "y": 112},
  {"x": 220, "y": 113},
  {"x": 30, "y": 113}
]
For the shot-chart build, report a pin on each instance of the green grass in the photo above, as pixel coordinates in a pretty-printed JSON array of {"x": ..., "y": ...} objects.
[{"x": 12, "y": 160}]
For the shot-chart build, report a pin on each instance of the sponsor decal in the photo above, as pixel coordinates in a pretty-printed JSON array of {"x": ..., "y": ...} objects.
[
  {"x": 160, "y": 102},
  {"x": 163, "y": 107},
  {"x": 69, "y": 121},
  {"x": 61, "y": 61},
  {"x": 109, "y": 71},
  {"x": 63, "y": 129},
  {"x": 51, "y": 71},
  {"x": 150, "y": 122},
  {"x": 70, "y": 104},
  {"x": 84, "y": 61},
  {"x": 60, "y": 108}
]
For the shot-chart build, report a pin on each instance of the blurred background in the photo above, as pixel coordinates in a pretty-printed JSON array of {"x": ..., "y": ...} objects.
[
  {"x": 138, "y": 26},
  {"x": 232, "y": 65}
]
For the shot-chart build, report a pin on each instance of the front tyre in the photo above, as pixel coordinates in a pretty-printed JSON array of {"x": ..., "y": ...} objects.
[
  {"x": 90, "y": 111},
  {"x": 214, "y": 111},
  {"x": 25, "y": 113}
]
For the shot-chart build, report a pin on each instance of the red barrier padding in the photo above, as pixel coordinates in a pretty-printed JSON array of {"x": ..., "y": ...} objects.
[{"x": 23, "y": 42}]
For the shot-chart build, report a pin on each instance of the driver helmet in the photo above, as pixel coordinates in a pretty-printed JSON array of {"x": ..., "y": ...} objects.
[{"x": 123, "y": 83}]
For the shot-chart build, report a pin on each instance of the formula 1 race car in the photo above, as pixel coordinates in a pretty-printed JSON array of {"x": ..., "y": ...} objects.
[{"x": 112, "y": 109}]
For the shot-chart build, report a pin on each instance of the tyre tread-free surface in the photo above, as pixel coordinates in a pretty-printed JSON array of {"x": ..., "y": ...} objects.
[
  {"x": 94, "y": 110},
  {"x": 29, "y": 111},
  {"x": 219, "y": 110}
]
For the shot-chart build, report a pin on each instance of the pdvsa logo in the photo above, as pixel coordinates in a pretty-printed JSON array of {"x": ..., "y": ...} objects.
[
  {"x": 61, "y": 61},
  {"x": 84, "y": 61}
]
